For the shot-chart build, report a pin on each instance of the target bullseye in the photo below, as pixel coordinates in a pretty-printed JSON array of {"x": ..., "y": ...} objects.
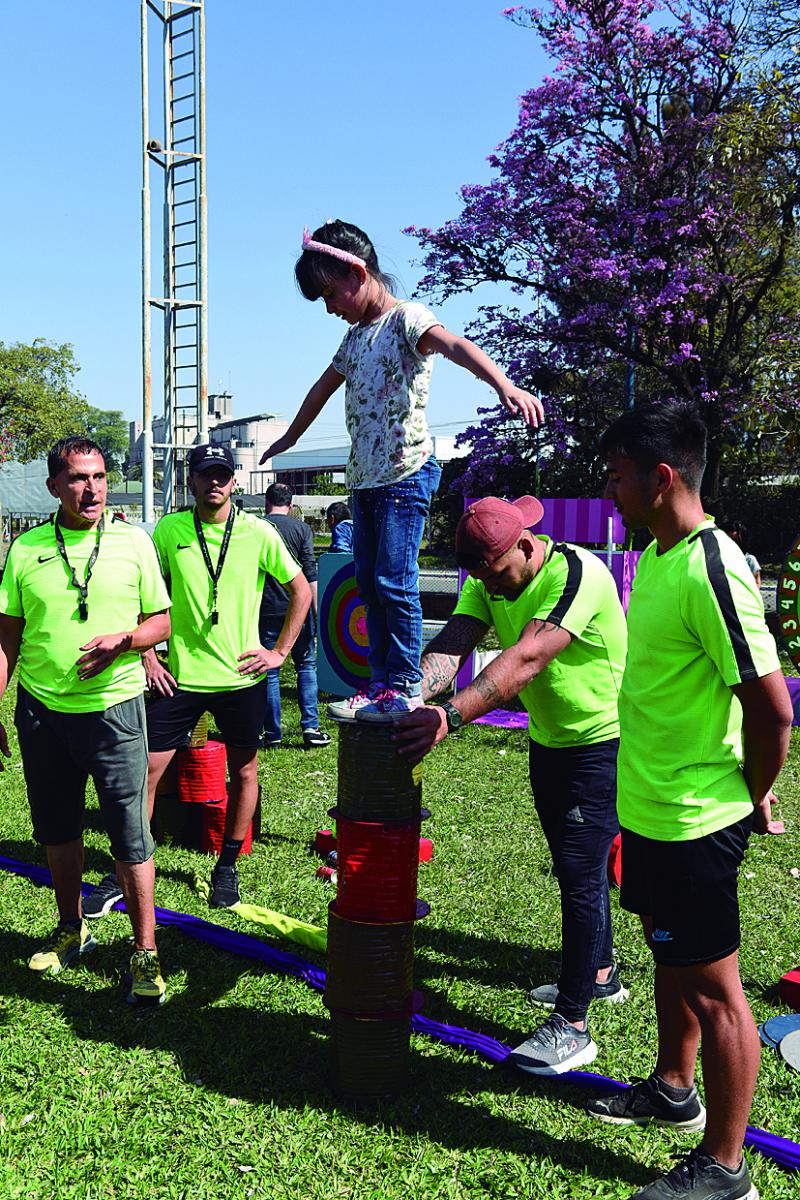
[{"x": 343, "y": 665}]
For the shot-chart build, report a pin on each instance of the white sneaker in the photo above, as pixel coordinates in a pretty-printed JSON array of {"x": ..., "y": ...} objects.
[
  {"x": 345, "y": 710},
  {"x": 388, "y": 706}
]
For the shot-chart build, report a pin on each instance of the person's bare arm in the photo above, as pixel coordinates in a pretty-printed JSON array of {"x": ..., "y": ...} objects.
[
  {"x": 159, "y": 679},
  {"x": 316, "y": 399},
  {"x": 766, "y": 727},
  {"x": 255, "y": 662},
  {"x": 101, "y": 651},
  {"x": 502, "y": 679},
  {"x": 464, "y": 353},
  {"x": 314, "y": 599},
  {"x": 10, "y": 639}
]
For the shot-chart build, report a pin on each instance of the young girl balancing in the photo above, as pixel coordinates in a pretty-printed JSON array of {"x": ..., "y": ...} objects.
[{"x": 385, "y": 358}]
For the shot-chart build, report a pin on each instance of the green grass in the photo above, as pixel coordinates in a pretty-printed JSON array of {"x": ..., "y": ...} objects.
[{"x": 224, "y": 1092}]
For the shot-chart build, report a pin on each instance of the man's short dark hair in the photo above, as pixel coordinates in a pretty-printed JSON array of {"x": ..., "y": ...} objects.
[
  {"x": 673, "y": 432},
  {"x": 279, "y": 495},
  {"x": 338, "y": 511},
  {"x": 57, "y": 455}
]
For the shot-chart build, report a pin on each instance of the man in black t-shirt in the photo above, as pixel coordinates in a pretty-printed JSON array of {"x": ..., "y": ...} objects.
[{"x": 297, "y": 536}]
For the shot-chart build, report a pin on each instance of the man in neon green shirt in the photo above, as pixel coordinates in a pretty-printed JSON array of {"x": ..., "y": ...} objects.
[
  {"x": 215, "y": 560},
  {"x": 704, "y": 728},
  {"x": 559, "y": 620},
  {"x": 80, "y": 708}
]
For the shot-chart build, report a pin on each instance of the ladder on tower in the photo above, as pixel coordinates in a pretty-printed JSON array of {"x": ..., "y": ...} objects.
[{"x": 181, "y": 154}]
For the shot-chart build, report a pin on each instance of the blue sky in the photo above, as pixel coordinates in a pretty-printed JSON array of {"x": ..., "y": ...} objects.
[{"x": 373, "y": 112}]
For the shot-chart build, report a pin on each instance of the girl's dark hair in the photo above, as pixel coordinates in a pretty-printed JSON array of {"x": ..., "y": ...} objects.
[
  {"x": 672, "y": 432},
  {"x": 315, "y": 271}
]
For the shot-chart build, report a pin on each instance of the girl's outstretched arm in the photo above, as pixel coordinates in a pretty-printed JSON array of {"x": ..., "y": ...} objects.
[
  {"x": 312, "y": 406},
  {"x": 465, "y": 353}
]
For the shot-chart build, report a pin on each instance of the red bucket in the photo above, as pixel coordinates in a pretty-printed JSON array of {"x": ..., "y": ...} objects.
[
  {"x": 377, "y": 866},
  {"x": 201, "y": 773},
  {"x": 789, "y": 989},
  {"x": 614, "y": 865}
]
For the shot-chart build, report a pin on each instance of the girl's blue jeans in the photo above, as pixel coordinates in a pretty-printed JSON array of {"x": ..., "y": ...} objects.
[{"x": 388, "y": 524}]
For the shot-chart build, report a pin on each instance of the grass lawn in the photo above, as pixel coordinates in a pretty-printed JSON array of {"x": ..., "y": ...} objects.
[{"x": 223, "y": 1092}]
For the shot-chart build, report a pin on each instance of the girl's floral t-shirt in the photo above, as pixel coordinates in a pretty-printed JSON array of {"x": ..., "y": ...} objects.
[{"x": 386, "y": 392}]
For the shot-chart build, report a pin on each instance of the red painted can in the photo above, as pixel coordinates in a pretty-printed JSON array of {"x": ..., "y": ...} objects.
[
  {"x": 377, "y": 866},
  {"x": 614, "y": 866},
  {"x": 201, "y": 773},
  {"x": 789, "y": 989},
  {"x": 212, "y": 828},
  {"x": 325, "y": 841}
]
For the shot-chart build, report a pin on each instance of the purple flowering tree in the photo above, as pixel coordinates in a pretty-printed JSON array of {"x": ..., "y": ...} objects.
[{"x": 647, "y": 238}]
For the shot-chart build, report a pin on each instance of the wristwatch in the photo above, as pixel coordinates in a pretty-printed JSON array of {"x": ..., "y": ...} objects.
[{"x": 454, "y": 718}]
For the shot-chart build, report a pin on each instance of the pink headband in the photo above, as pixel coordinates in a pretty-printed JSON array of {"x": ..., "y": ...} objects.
[{"x": 334, "y": 251}]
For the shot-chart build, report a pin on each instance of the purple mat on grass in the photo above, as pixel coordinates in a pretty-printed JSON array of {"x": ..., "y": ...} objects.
[
  {"x": 794, "y": 692},
  {"x": 504, "y": 718},
  {"x": 779, "y": 1149}
]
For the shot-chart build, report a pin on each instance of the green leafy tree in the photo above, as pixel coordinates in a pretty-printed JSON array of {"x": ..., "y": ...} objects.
[
  {"x": 109, "y": 429},
  {"x": 38, "y": 401},
  {"x": 324, "y": 485}
]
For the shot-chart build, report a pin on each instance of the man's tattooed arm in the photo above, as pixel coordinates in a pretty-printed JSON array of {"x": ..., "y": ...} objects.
[
  {"x": 505, "y": 676},
  {"x": 445, "y": 653}
]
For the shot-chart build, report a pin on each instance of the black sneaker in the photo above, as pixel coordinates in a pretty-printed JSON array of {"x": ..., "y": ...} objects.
[
  {"x": 224, "y": 887},
  {"x": 701, "y": 1177},
  {"x": 315, "y": 737},
  {"x": 103, "y": 898},
  {"x": 555, "y": 1047},
  {"x": 265, "y": 743},
  {"x": 612, "y": 991},
  {"x": 645, "y": 1103}
]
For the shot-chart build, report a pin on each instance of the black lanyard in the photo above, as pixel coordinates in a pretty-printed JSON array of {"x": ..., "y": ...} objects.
[
  {"x": 83, "y": 588},
  {"x": 223, "y": 550}
]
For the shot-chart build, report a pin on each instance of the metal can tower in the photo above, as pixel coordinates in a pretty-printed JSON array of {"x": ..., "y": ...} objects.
[{"x": 370, "y": 983}]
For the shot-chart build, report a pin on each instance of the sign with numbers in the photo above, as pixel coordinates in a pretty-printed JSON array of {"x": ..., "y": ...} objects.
[{"x": 787, "y": 603}]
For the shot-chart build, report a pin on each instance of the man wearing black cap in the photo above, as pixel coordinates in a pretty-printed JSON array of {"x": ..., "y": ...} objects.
[
  {"x": 215, "y": 560},
  {"x": 559, "y": 620}
]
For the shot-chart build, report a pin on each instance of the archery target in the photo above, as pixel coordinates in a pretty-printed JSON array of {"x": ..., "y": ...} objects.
[{"x": 342, "y": 666}]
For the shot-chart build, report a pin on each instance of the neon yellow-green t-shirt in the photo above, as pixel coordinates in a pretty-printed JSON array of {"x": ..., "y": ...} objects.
[
  {"x": 204, "y": 657},
  {"x": 36, "y": 586},
  {"x": 695, "y": 627},
  {"x": 573, "y": 702}
]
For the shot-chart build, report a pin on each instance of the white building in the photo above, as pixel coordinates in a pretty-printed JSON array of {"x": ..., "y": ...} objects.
[
  {"x": 246, "y": 437},
  {"x": 300, "y": 468}
]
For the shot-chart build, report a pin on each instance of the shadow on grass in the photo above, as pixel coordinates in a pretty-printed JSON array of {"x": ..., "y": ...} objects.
[
  {"x": 32, "y": 852},
  {"x": 261, "y": 1056}
]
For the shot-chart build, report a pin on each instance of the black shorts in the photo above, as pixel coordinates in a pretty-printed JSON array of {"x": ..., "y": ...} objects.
[
  {"x": 239, "y": 714},
  {"x": 61, "y": 750},
  {"x": 689, "y": 889}
]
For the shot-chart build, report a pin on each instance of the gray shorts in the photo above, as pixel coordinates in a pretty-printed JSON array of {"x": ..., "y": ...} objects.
[{"x": 59, "y": 753}]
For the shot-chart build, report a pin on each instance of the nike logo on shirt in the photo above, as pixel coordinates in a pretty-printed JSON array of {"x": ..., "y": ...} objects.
[
  {"x": 180, "y": 547},
  {"x": 47, "y": 558}
]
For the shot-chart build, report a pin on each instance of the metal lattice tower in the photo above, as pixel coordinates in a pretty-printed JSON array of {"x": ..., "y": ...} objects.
[{"x": 180, "y": 153}]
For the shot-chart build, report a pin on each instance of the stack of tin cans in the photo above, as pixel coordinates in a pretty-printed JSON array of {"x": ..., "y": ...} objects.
[{"x": 370, "y": 987}]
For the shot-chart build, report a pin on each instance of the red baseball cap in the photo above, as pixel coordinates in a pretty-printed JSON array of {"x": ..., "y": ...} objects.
[{"x": 491, "y": 526}]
